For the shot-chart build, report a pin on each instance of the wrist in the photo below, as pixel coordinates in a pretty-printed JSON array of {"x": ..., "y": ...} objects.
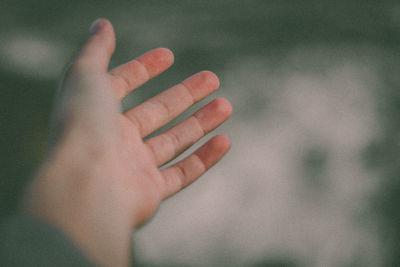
[{"x": 71, "y": 193}]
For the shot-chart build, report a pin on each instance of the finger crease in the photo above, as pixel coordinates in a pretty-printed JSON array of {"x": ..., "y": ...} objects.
[
  {"x": 182, "y": 176},
  {"x": 144, "y": 69},
  {"x": 197, "y": 120},
  {"x": 164, "y": 106},
  {"x": 153, "y": 152},
  {"x": 136, "y": 122},
  {"x": 203, "y": 164},
  {"x": 123, "y": 80},
  {"x": 189, "y": 93},
  {"x": 175, "y": 141}
]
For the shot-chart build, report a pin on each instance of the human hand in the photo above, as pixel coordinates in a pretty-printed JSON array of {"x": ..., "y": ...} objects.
[{"x": 101, "y": 179}]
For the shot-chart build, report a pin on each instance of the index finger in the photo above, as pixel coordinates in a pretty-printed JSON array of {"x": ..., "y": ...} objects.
[{"x": 136, "y": 72}]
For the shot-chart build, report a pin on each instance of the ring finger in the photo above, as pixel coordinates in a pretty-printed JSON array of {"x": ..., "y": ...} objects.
[{"x": 175, "y": 140}]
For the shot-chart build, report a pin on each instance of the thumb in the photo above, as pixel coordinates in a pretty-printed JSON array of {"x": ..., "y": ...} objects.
[{"x": 96, "y": 53}]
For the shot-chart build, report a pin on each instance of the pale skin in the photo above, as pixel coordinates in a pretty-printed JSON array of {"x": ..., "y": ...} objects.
[{"x": 100, "y": 179}]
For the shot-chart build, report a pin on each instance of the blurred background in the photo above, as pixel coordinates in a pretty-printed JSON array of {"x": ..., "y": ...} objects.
[{"x": 312, "y": 178}]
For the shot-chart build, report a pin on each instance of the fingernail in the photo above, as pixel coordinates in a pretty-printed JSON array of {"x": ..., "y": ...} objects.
[{"x": 97, "y": 25}]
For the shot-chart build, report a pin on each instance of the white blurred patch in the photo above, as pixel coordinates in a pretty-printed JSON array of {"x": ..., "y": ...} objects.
[
  {"x": 260, "y": 203},
  {"x": 33, "y": 55}
]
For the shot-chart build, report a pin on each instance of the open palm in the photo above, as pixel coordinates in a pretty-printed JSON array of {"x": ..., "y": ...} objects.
[{"x": 107, "y": 177}]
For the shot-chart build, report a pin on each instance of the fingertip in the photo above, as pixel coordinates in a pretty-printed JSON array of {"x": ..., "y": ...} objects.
[
  {"x": 222, "y": 143},
  {"x": 157, "y": 60},
  {"x": 106, "y": 29},
  {"x": 167, "y": 54},
  {"x": 98, "y": 49},
  {"x": 103, "y": 27},
  {"x": 224, "y": 107},
  {"x": 97, "y": 26},
  {"x": 211, "y": 78},
  {"x": 212, "y": 151},
  {"x": 201, "y": 84}
]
